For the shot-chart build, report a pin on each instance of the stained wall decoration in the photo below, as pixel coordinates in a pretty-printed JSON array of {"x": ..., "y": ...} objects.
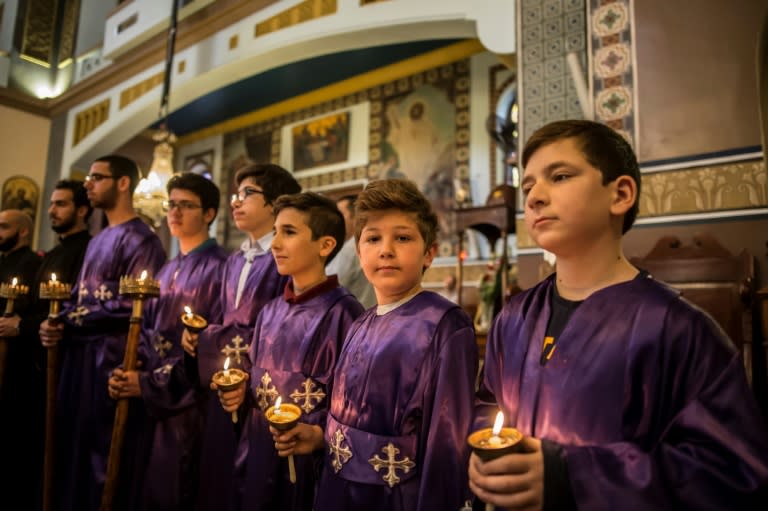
[{"x": 417, "y": 128}]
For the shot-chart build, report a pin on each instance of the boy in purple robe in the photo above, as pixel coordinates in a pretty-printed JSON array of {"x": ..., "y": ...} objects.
[
  {"x": 295, "y": 345},
  {"x": 92, "y": 340},
  {"x": 628, "y": 396},
  {"x": 401, "y": 403},
  {"x": 170, "y": 445},
  {"x": 250, "y": 279}
]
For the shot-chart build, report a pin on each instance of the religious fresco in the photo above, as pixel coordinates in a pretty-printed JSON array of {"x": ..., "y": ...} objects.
[
  {"x": 21, "y": 193},
  {"x": 418, "y": 128},
  {"x": 320, "y": 142}
]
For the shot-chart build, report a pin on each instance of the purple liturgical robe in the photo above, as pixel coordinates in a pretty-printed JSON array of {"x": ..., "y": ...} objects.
[
  {"x": 230, "y": 339},
  {"x": 401, "y": 410},
  {"x": 174, "y": 403},
  {"x": 96, "y": 327},
  {"x": 294, "y": 351},
  {"x": 645, "y": 394}
]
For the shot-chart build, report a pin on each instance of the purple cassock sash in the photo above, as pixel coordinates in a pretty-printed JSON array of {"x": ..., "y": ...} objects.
[
  {"x": 96, "y": 327},
  {"x": 645, "y": 394},
  {"x": 404, "y": 381}
]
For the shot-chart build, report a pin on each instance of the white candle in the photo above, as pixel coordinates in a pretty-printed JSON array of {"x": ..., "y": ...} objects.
[
  {"x": 495, "y": 439},
  {"x": 189, "y": 314},
  {"x": 278, "y": 402},
  {"x": 226, "y": 370}
]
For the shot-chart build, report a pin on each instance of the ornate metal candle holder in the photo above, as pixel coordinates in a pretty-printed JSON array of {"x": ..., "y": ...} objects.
[
  {"x": 55, "y": 291},
  {"x": 12, "y": 292},
  {"x": 138, "y": 289},
  {"x": 229, "y": 379},
  {"x": 195, "y": 323},
  {"x": 282, "y": 417}
]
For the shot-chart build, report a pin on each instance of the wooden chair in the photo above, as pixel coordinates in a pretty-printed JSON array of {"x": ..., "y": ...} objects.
[{"x": 713, "y": 278}]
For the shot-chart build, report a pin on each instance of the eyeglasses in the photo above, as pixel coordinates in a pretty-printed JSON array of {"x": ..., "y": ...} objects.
[
  {"x": 246, "y": 192},
  {"x": 97, "y": 178},
  {"x": 183, "y": 205}
]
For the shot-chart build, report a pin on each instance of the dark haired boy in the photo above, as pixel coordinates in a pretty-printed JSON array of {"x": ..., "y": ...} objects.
[
  {"x": 401, "y": 406},
  {"x": 168, "y": 445},
  {"x": 249, "y": 280},
  {"x": 295, "y": 345},
  {"x": 628, "y": 396}
]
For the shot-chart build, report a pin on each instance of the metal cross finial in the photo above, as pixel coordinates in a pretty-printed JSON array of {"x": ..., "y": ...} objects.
[
  {"x": 308, "y": 395},
  {"x": 391, "y": 464},
  {"x": 236, "y": 348},
  {"x": 265, "y": 392},
  {"x": 340, "y": 453}
]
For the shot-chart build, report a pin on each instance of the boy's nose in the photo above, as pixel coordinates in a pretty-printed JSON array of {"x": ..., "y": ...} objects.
[{"x": 536, "y": 195}]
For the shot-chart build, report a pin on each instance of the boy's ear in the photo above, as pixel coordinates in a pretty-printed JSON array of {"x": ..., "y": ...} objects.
[
  {"x": 209, "y": 215},
  {"x": 429, "y": 256},
  {"x": 624, "y": 195},
  {"x": 124, "y": 183},
  {"x": 327, "y": 244}
]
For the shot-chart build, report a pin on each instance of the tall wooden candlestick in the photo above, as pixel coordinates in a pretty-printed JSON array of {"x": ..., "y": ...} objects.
[
  {"x": 55, "y": 291},
  {"x": 10, "y": 292},
  {"x": 138, "y": 289}
]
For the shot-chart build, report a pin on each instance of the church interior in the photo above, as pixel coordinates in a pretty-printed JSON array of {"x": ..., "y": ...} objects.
[{"x": 444, "y": 93}]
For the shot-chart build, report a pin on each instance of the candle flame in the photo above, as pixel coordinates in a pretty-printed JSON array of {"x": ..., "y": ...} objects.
[
  {"x": 14, "y": 282},
  {"x": 53, "y": 277},
  {"x": 498, "y": 423},
  {"x": 189, "y": 312},
  {"x": 278, "y": 402},
  {"x": 226, "y": 364},
  {"x": 143, "y": 275}
]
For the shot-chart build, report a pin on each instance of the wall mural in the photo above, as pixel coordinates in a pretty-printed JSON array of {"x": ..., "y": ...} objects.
[
  {"x": 21, "y": 193},
  {"x": 418, "y": 129}
]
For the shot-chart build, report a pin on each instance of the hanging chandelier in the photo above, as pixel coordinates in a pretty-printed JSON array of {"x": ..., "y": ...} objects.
[{"x": 151, "y": 195}]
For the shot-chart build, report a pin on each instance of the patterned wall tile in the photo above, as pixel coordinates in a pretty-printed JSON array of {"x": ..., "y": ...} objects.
[
  {"x": 613, "y": 74},
  {"x": 550, "y": 29}
]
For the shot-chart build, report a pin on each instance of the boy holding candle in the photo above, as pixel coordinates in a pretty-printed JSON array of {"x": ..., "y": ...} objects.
[
  {"x": 629, "y": 397},
  {"x": 401, "y": 404},
  {"x": 249, "y": 280},
  {"x": 170, "y": 445},
  {"x": 293, "y": 352}
]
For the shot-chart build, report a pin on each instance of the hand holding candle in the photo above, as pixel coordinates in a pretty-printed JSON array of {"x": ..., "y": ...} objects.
[
  {"x": 282, "y": 417},
  {"x": 490, "y": 443},
  {"x": 195, "y": 323},
  {"x": 228, "y": 380}
]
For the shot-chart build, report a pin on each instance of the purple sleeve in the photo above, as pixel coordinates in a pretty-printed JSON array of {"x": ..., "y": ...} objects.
[{"x": 448, "y": 418}]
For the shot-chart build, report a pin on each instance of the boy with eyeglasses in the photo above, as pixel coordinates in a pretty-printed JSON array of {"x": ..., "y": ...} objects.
[
  {"x": 168, "y": 445},
  {"x": 249, "y": 280},
  {"x": 92, "y": 339}
]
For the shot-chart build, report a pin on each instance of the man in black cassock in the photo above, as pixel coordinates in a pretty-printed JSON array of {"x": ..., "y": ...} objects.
[{"x": 23, "y": 434}]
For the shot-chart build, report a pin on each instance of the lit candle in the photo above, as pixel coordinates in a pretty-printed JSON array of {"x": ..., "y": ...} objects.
[
  {"x": 189, "y": 313},
  {"x": 143, "y": 276},
  {"x": 226, "y": 371},
  {"x": 495, "y": 438},
  {"x": 278, "y": 402},
  {"x": 53, "y": 278},
  {"x": 14, "y": 282}
]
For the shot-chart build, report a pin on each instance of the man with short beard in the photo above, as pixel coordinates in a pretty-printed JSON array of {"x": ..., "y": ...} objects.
[
  {"x": 25, "y": 369},
  {"x": 93, "y": 336}
]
